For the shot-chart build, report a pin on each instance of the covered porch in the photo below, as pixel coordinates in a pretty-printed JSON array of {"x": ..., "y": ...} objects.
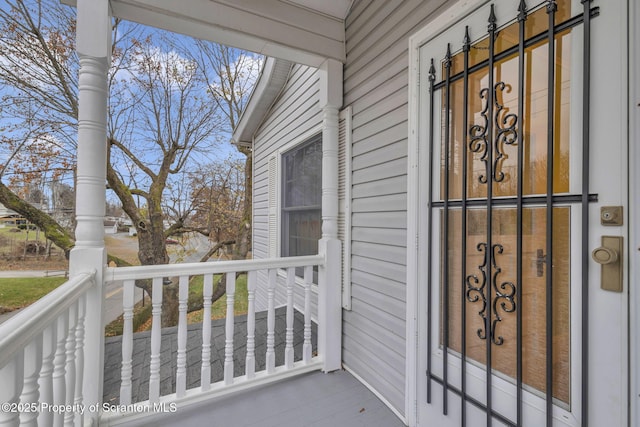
[
  {"x": 269, "y": 362},
  {"x": 52, "y": 355}
]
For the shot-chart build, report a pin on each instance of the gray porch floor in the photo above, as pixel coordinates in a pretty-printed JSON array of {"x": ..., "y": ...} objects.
[{"x": 336, "y": 399}]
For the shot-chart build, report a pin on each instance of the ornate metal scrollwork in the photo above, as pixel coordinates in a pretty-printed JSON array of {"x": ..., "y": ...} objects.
[
  {"x": 505, "y": 131},
  {"x": 476, "y": 286},
  {"x": 503, "y": 295},
  {"x": 479, "y": 142}
]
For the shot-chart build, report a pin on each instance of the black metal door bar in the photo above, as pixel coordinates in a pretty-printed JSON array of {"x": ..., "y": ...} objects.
[
  {"x": 463, "y": 315},
  {"x": 522, "y": 18},
  {"x": 445, "y": 243},
  {"x": 586, "y": 106},
  {"x": 489, "y": 250}
]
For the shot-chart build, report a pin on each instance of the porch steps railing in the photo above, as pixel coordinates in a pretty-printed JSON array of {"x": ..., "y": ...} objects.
[
  {"x": 127, "y": 410},
  {"x": 42, "y": 358}
]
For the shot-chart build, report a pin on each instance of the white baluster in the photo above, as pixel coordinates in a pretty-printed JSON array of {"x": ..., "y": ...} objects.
[
  {"x": 59, "y": 387},
  {"x": 250, "y": 364},
  {"x": 79, "y": 397},
  {"x": 70, "y": 375},
  {"x": 46, "y": 372},
  {"x": 306, "y": 346},
  {"x": 181, "y": 371},
  {"x": 271, "y": 321},
  {"x": 205, "y": 372},
  {"x": 11, "y": 376},
  {"x": 156, "y": 336},
  {"x": 128, "y": 296},
  {"x": 30, "y": 391},
  {"x": 288, "y": 350},
  {"x": 228, "y": 342}
]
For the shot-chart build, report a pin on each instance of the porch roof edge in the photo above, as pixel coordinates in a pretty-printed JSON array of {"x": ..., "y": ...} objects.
[{"x": 274, "y": 75}]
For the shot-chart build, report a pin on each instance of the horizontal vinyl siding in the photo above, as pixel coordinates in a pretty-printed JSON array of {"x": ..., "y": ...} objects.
[
  {"x": 295, "y": 112},
  {"x": 376, "y": 87}
]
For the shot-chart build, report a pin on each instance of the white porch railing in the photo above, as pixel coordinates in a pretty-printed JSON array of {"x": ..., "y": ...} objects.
[
  {"x": 43, "y": 348},
  {"x": 42, "y": 359},
  {"x": 129, "y": 411}
]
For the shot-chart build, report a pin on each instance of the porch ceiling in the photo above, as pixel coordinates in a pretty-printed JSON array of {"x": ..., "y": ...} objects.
[{"x": 304, "y": 31}]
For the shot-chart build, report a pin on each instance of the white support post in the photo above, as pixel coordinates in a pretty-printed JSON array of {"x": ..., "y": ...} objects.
[
  {"x": 329, "y": 286},
  {"x": 89, "y": 255}
]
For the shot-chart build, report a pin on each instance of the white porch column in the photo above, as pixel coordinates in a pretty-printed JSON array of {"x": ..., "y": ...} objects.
[
  {"x": 93, "y": 46},
  {"x": 330, "y": 287}
]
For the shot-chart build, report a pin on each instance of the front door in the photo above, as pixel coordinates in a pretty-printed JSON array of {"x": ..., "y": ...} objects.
[{"x": 517, "y": 324}]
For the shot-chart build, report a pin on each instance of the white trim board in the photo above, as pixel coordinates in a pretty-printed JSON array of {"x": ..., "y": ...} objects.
[{"x": 634, "y": 209}]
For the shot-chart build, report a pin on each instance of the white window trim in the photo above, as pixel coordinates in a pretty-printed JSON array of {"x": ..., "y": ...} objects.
[{"x": 276, "y": 158}]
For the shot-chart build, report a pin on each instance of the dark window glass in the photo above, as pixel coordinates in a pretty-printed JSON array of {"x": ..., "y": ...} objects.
[{"x": 302, "y": 198}]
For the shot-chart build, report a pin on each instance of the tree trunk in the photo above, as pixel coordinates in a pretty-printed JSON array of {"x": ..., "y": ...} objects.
[
  {"x": 152, "y": 250},
  {"x": 52, "y": 230},
  {"x": 243, "y": 239}
]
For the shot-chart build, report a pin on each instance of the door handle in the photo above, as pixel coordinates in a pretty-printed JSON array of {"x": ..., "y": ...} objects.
[
  {"x": 609, "y": 256},
  {"x": 541, "y": 259}
]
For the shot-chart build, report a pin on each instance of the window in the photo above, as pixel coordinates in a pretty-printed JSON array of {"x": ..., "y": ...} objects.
[{"x": 302, "y": 198}]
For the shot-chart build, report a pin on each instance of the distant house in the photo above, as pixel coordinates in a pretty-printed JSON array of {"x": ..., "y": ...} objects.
[
  {"x": 110, "y": 226},
  {"x": 5, "y": 212},
  {"x": 8, "y": 218}
]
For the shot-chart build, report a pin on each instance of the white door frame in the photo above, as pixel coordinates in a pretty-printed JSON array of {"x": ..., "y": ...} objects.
[
  {"x": 416, "y": 204},
  {"x": 634, "y": 209}
]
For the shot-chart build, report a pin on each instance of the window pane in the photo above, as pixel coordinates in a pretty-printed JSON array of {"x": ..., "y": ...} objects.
[
  {"x": 302, "y": 199},
  {"x": 304, "y": 230},
  {"x": 528, "y": 296},
  {"x": 303, "y": 176},
  {"x": 505, "y": 110}
]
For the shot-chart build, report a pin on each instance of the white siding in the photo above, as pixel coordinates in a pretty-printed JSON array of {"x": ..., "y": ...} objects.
[
  {"x": 376, "y": 87},
  {"x": 295, "y": 114}
]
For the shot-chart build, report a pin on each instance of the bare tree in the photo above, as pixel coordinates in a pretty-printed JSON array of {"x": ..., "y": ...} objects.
[
  {"x": 38, "y": 74},
  {"x": 161, "y": 115},
  {"x": 231, "y": 76},
  {"x": 218, "y": 196}
]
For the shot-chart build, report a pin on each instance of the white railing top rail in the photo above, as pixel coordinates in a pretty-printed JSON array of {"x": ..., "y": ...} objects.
[
  {"x": 22, "y": 328},
  {"x": 214, "y": 267}
]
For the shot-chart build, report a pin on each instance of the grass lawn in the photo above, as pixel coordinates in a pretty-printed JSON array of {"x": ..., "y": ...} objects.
[
  {"x": 219, "y": 308},
  {"x": 142, "y": 315},
  {"x": 20, "y": 292},
  {"x": 21, "y": 234}
]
